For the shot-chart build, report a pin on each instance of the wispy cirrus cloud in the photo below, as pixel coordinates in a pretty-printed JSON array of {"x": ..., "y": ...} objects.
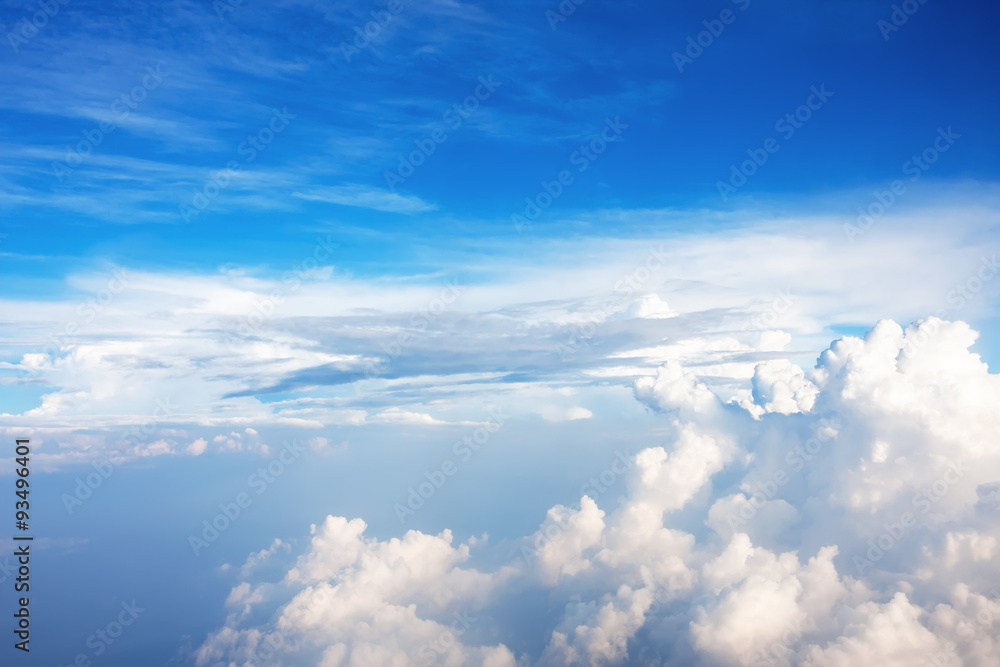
[
  {"x": 360, "y": 196},
  {"x": 308, "y": 347}
]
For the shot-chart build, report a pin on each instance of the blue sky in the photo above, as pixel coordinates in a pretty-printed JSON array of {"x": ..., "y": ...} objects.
[
  {"x": 353, "y": 120},
  {"x": 195, "y": 212}
]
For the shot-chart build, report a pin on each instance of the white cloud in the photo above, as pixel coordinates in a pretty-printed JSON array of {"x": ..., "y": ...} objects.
[
  {"x": 258, "y": 557},
  {"x": 360, "y": 196},
  {"x": 210, "y": 344},
  {"x": 364, "y": 601},
  {"x": 848, "y": 520},
  {"x": 197, "y": 448},
  {"x": 780, "y": 386},
  {"x": 557, "y": 414}
]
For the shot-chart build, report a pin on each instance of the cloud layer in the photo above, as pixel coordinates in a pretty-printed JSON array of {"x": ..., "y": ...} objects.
[
  {"x": 840, "y": 516},
  {"x": 187, "y": 358}
]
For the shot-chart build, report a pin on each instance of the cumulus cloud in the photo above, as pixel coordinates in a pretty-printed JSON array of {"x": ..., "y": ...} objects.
[
  {"x": 258, "y": 557},
  {"x": 361, "y": 601},
  {"x": 198, "y": 447},
  {"x": 781, "y": 386},
  {"x": 849, "y": 513}
]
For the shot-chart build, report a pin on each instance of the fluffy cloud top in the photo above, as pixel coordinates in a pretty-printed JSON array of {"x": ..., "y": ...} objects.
[{"x": 850, "y": 518}]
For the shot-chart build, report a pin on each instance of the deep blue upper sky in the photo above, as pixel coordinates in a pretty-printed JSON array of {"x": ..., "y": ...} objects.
[{"x": 353, "y": 121}]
